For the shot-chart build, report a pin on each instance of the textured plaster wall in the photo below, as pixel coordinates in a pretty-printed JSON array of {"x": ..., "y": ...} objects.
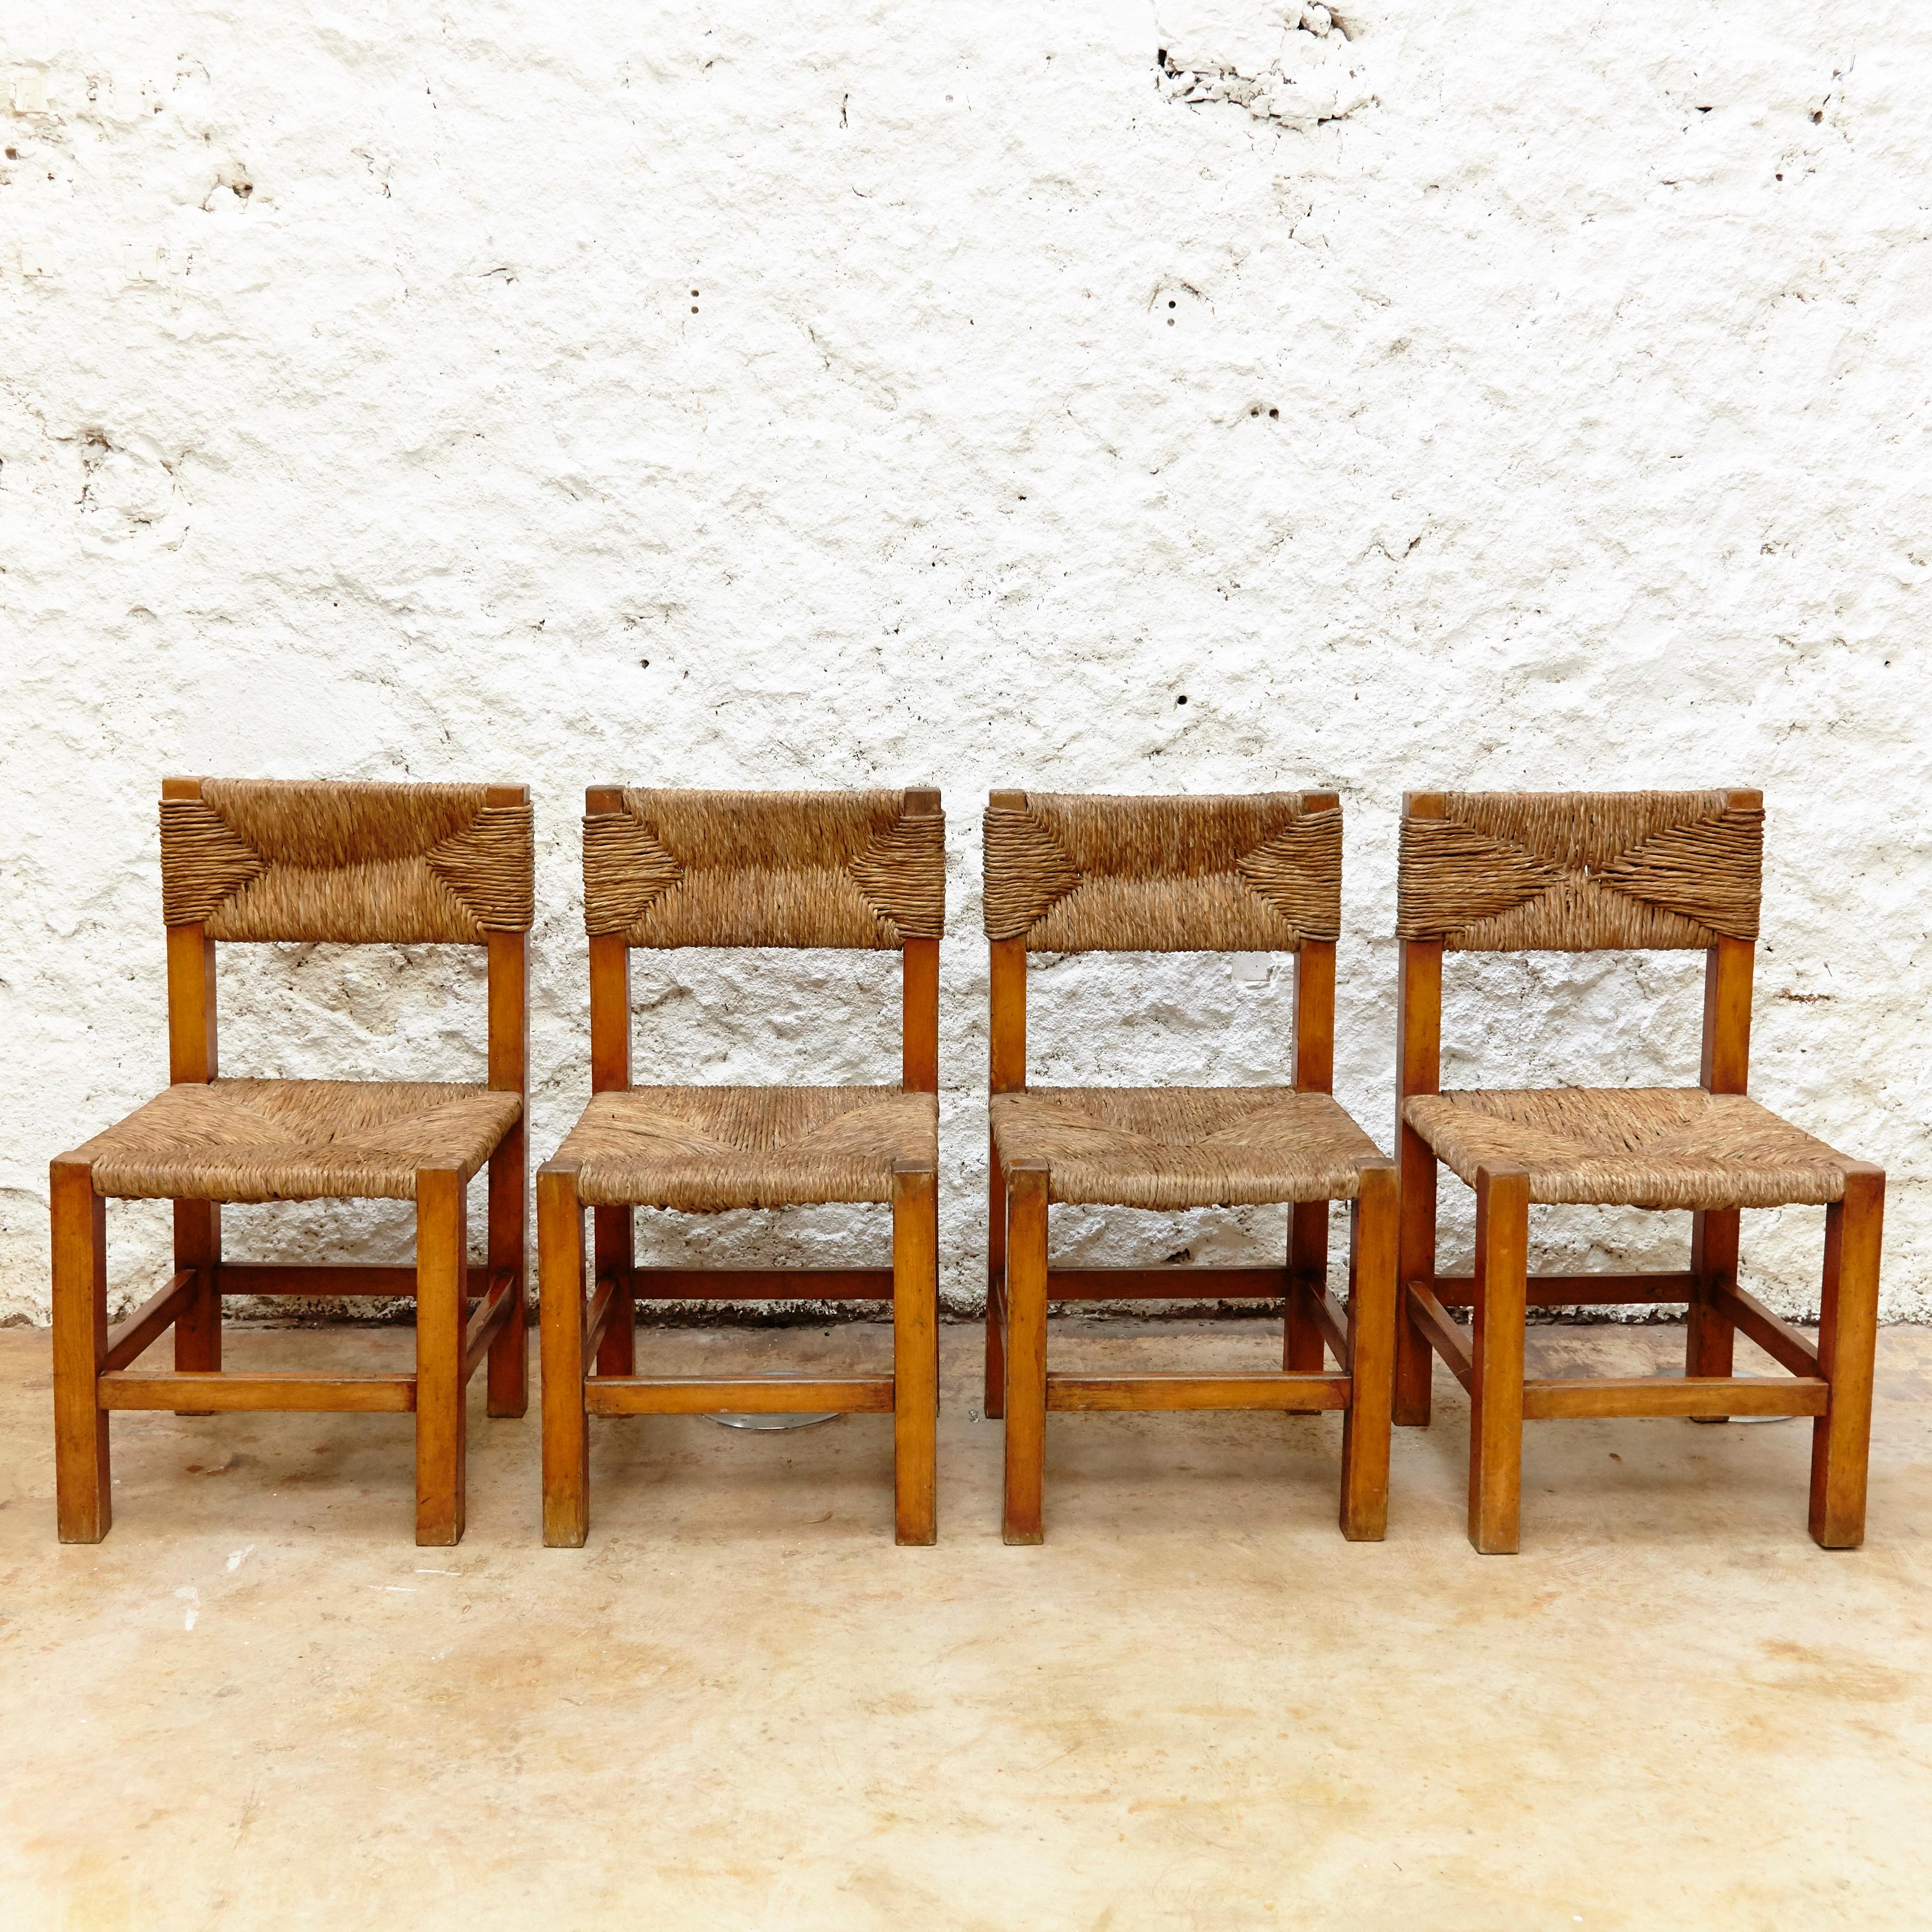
[{"x": 1483, "y": 394}]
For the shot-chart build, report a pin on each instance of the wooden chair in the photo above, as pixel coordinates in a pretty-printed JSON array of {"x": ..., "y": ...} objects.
[
  {"x": 255, "y": 860},
  {"x": 667, "y": 869},
  {"x": 1068, "y": 874},
  {"x": 1588, "y": 871}
]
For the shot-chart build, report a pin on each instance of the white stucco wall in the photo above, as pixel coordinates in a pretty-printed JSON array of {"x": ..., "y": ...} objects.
[{"x": 1492, "y": 394}]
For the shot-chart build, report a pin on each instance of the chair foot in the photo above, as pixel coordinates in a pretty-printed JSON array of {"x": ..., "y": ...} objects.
[
  {"x": 1022, "y": 1519},
  {"x": 1411, "y": 1404},
  {"x": 442, "y": 1278},
  {"x": 1303, "y": 1351},
  {"x": 1415, "y": 1260},
  {"x": 915, "y": 1354},
  {"x": 197, "y": 1331},
  {"x": 566, "y": 1428},
  {"x": 1495, "y": 1406},
  {"x": 1373, "y": 1229},
  {"x": 506, "y": 1371},
  {"x": 83, "y": 1486},
  {"x": 1847, "y": 1353},
  {"x": 995, "y": 1405}
]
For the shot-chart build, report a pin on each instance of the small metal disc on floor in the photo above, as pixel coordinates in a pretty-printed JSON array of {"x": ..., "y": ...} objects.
[
  {"x": 795, "y": 1421},
  {"x": 784, "y": 1420}
]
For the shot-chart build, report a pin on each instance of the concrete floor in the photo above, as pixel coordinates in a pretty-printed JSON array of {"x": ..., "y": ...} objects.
[{"x": 258, "y": 1704}]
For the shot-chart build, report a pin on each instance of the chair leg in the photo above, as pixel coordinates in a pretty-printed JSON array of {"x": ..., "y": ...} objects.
[
  {"x": 614, "y": 1252},
  {"x": 1026, "y": 1352},
  {"x": 442, "y": 1277},
  {"x": 198, "y": 1327},
  {"x": 1495, "y": 1406},
  {"x": 995, "y": 1404},
  {"x": 83, "y": 1488},
  {"x": 507, "y": 1386},
  {"x": 1709, "y": 1338},
  {"x": 566, "y": 1432},
  {"x": 1302, "y": 1350},
  {"x": 915, "y": 1352},
  {"x": 1847, "y": 1345},
  {"x": 1415, "y": 1260},
  {"x": 1372, "y": 1328}
]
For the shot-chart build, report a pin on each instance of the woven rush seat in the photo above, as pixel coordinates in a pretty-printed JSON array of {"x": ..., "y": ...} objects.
[
  {"x": 297, "y": 1140},
  {"x": 1642, "y": 1147},
  {"x": 702, "y": 1150},
  {"x": 1183, "y": 1147}
]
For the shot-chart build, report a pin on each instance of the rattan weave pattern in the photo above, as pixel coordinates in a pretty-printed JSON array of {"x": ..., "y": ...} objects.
[
  {"x": 1581, "y": 872},
  {"x": 1076, "y": 873},
  {"x": 275, "y": 859},
  {"x": 1643, "y": 1146},
  {"x": 297, "y": 1140},
  {"x": 705, "y": 1150},
  {"x": 851, "y": 869},
  {"x": 1183, "y": 1147}
]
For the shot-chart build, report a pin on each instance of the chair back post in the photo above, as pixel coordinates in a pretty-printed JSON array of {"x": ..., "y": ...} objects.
[
  {"x": 508, "y": 1048},
  {"x": 509, "y": 970},
  {"x": 192, "y": 1054},
  {"x": 1729, "y": 966},
  {"x": 194, "y": 1059},
  {"x": 918, "y": 983},
  {"x": 1724, "y": 1068},
  {"x": 610, "y": 981},
  {"x": 1418, "y": 1022},
  {"x": 1315, "y": 994},
  {"x": 613, "y": 1230},
  {"x": 1007, "y": 975},
  {"x": 1418, "y": 994}
]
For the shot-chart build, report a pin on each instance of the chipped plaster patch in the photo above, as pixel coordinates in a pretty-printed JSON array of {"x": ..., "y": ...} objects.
[
  {"x": 131, "y": 497},
  {"x": 1297, "y": 66}
]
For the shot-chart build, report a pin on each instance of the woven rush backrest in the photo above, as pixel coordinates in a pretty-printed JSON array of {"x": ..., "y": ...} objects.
[
  {"x": 850, "y": 869},
  {"x": 1260, "y": 873},
  {"x": 260, "y": 858},
  {"x": 1580, "y": 871}
]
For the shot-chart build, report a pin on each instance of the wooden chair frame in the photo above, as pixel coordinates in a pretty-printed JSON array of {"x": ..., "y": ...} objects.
[
  {"x": 1831, "y": 1382},
  {"x": 589, "y": 1341},
  {"x": 1021, "y": 1280},
  {"x": 463, "y": 1314}
]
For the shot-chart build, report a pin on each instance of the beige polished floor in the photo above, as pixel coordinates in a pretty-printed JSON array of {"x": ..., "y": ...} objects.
[{"x": 259, "y": 1705}]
